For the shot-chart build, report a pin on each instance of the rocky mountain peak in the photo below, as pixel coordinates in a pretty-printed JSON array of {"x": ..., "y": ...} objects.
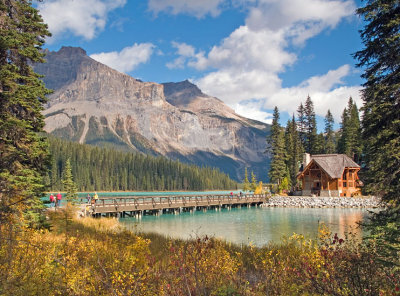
[
  {"x": 182, "y": 88},
  {"x": 71, "y": 51},
  {"x": 97, "y": 105}
]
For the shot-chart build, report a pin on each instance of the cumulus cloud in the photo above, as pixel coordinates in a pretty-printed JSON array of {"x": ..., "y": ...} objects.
[
  {"x": 255, "y": 109},
  {"x": 81, "y": 18},
  {"x": 186, "y": 55},
  {"x": 128, "y": 58},
  {"x": 327, "y": 92},
  {"x": 247, "y": 64},
  {"x": 192, "y": 7}
]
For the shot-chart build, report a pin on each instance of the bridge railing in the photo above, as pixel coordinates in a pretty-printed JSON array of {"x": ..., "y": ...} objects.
[{"x": 189, "y": 200}]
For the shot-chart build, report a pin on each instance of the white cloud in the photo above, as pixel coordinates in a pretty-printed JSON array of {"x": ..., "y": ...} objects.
[
  {"x": 198, "y": 8},
  {"x": 246, "y": 64},
  {"x": 185, "y": 51},
  {"x": 81, "y": 18},
  {"x": 326, "y": 91},
  {"x": 253, "y": 109},
  {"x": 128, "y": 58}
]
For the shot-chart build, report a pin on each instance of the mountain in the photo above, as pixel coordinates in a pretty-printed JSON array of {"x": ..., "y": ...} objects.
[{"x": 97, "y": 105}]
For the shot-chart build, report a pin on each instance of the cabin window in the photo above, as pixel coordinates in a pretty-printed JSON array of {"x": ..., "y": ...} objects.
[
  {"x": 344, "y": 184},
  {"x": 350, "y": 175},
  {"x": 344, "y": 176}
]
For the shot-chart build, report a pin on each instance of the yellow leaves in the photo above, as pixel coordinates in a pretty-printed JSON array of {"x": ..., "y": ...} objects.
[{"x": 94, "y": 259}]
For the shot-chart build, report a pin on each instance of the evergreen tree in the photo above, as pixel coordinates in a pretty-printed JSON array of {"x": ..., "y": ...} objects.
[
  {"x": 23, "y": 156},
  {"x": 68, "y": 183},
  {"x": 350, "y": 140},
  {"x": 381, "y": 117},
  {"x": 310, "y": 127},
  {"x": 301, "y": 124},
  {"x": 341, "y": 144},
  {"x": 97, "y": 169},
  {"x": 253, "y": 184},
  {"x": 319, "y": 144},
  {"x": 293, "y": 151},
  {"x": 276, "y": 141},
  {"x": 329, "y": 140},
  {"x": 246, "y": 183}
]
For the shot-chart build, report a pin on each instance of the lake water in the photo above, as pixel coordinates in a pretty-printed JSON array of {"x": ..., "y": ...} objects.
[{"x": 256, "y": 225}]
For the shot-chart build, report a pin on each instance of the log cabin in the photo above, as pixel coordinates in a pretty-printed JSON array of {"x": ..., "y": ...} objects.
[{"x": 329, "y": 175}]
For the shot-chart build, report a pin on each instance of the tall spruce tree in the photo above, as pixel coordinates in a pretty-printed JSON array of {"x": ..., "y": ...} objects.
[
  {"x": 301, "y": 124},
  {"x": 246, "y": 183},
  {"x": 350, "y": 140},
  {"x": 276, "y": 143},
  {"x": 310, "y": 127},
  {"x": 319, "y": 144},
  {"x": 330, "y": 146},
  {"x": 69, "y": 184},
  {"x": 23, "y": 151},
  {"x": 381, "y": 118},
  {"x": 293, "y": 151}
]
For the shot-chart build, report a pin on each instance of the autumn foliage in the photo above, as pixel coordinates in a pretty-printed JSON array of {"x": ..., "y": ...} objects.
[{"x": 97, "y": 257}]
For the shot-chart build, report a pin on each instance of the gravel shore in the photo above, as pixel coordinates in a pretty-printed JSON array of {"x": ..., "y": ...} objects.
[{"x": 322, "y": 202}]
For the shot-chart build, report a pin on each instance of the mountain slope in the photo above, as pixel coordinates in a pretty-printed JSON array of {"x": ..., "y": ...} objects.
[{"x": 95, "y": 104}]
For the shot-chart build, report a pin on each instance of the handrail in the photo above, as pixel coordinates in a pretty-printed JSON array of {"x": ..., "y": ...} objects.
[{"x": 178, "y": 199}]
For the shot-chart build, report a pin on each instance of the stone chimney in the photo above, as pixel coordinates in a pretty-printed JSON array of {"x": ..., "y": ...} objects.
[{"x": 306, "y": 159}]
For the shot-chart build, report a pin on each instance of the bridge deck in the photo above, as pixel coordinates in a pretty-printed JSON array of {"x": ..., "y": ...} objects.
[{"x": 149, "y": 203}]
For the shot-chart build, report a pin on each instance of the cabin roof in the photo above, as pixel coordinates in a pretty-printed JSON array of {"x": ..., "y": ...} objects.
[{"x": 333, "y": 164}]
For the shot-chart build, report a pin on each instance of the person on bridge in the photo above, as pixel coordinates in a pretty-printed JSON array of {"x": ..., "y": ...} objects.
[
  {"x": 88, "y": 198},
  {"x": 95, "y": 197},
  {"x": 58, "y": 201},
  {"x": 52, "y": 199}
]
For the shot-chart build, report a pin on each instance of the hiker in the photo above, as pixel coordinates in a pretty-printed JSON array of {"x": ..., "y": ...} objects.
[
  {"x": 240, "y": 193},
  {"x": 88, "y": 198},
  {"x": 58, "y": 200},
  {"x": 52, "y": 199},
  {"x": 231, "y": 194},
  {"x": 96, "y": 197}
]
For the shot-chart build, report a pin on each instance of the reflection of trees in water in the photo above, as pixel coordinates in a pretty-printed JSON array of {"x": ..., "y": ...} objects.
[
  {"x": 260, "y": 226},
  {"x": 348, "y": 223}
]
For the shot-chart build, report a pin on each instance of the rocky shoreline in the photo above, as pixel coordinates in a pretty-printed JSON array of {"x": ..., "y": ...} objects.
[{"x": 323, "y": 202}]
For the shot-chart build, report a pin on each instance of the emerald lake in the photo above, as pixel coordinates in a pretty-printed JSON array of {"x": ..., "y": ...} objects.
[{"x": 258, "y": 226}]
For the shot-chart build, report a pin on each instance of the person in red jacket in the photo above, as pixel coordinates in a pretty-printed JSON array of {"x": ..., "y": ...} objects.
[
  {"x": 58, "y": 201},
  {"x": 52, "y": 199}
]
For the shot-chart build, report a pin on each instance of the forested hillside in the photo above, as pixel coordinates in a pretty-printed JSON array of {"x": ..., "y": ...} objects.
[{"x": 107, "y": 169}]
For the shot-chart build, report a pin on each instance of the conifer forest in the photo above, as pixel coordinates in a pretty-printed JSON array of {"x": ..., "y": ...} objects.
[{"x": 106, "y": 169}]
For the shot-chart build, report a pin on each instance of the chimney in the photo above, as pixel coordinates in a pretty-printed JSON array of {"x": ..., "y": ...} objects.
[{"x": 306, "y": 159}]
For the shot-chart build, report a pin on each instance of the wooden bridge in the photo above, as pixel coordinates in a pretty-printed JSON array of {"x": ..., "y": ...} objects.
[{"x": 136, "y": 206}]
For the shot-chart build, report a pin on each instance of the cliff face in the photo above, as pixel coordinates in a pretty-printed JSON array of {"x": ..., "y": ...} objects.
[{"x": 95, "y": 104}]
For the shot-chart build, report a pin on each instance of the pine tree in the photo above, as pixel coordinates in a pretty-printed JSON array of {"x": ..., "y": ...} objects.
[
  {"x": 329, "y": 140},
  {"x": 276, "y": 141},
  {"x": 310, "y": 127},
  {"x": 69, "y": 184},
  {"x": 246, "y": 183},
  {"x": 350, "y": 141},
  {"x": 301, "y": 124},
  {"x": 319, "y": 144},
  {"x": 293, "y": 151},
  {"x": 24, "y": 156},
  {"x": 381, "y": 118},
  {"x": 341, "y": 144},
  {"x": 253, "y": 184}
]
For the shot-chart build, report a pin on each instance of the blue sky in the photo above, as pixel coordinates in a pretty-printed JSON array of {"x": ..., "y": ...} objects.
[{"x": 252, "y": 54}]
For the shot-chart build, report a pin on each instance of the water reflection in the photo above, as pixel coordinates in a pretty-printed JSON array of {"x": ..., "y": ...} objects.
[{"x": 256, "y": 225}]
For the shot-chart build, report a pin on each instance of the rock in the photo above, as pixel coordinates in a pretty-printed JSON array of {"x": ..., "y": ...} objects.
[{"x": 95, "y": 104}]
